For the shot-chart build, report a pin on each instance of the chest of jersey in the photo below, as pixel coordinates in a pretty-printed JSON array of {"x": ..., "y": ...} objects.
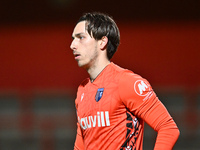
[{"x": 99, "y": 106}]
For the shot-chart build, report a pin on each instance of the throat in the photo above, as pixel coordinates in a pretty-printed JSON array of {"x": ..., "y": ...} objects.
[{"x": 96, "y": 73}]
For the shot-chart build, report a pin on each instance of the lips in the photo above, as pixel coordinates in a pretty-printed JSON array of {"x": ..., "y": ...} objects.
[{"x": 77, "y": 55}]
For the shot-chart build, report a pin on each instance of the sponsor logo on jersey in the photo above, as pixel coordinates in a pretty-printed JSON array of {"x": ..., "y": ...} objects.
[
  {"x": 100, "y": 120},
  {"x": 141, "y": 87},
  {"x": 99, "y": 94}
]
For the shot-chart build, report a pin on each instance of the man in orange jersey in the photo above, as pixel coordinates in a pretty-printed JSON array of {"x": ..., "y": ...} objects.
[{"x": 113, "y": 104}]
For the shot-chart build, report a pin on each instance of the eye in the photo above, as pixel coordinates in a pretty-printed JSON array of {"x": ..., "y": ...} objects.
[{"x": 81, "y": 37}]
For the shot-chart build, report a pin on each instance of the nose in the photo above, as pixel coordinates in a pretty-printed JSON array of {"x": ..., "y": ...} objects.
[{"x": 73, "y": 45}]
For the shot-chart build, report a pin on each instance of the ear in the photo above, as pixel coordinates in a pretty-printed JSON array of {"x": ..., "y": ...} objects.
[{"x": 103, "y": 42}]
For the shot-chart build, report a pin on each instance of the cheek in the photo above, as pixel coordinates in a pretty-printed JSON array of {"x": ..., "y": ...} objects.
[{"x": 88, "y": 50}]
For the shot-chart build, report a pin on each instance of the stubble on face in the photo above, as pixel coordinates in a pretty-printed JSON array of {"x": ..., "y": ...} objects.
[{"x": 89, "y": 58}]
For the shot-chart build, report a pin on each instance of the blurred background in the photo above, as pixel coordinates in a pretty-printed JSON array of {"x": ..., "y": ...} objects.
[{"x": 160, "y": 40}]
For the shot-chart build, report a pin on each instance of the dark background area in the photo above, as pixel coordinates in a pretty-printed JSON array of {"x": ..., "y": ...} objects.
[
  {"x": 160, "y": 40},
  {"x": 69, "y": 10}
]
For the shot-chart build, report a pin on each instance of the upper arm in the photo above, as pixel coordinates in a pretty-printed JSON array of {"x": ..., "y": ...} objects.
[
  {"x": 134, "y": 90},
  {"x": 138, "y": 96}
]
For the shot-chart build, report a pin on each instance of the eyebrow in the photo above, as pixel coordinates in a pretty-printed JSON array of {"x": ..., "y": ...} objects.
[{"x": 77, "y": 35}]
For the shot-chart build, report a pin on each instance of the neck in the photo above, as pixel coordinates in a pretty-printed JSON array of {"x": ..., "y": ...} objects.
[{"x": 96, "y": 70}]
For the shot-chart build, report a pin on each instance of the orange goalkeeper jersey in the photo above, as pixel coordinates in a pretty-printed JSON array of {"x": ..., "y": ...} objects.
[{"x": 111, "y": 112}]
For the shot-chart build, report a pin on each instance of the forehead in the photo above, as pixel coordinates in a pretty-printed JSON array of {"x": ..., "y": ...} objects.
[{"x": 79, "y": 28}]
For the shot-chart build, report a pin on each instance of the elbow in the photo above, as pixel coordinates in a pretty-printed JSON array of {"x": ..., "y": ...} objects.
[{"x": 177, "y": 133}]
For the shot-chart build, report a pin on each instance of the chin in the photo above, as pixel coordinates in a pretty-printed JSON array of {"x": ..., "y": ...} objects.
[{"x": 83, "y": 65}]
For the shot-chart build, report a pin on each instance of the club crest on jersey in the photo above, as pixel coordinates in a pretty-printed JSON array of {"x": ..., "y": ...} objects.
[{"x": 99, "y": 94}]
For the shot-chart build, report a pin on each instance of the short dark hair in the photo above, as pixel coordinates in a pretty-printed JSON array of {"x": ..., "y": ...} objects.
[{"x": 99, "y": 25}]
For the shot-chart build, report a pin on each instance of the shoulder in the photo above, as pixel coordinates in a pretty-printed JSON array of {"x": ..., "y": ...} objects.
[
  {"x": 123, "y": 75},
  {"x": 129, "y": 76},
  {"x": 118, "y": 71},
  {"x": 130, "y": 81},
  {"x": 134, "y": 89},
  {"x": 117, "y": 68},
  {"x": 133, "y": 81},
  {"x": 84, "y": 83}
]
